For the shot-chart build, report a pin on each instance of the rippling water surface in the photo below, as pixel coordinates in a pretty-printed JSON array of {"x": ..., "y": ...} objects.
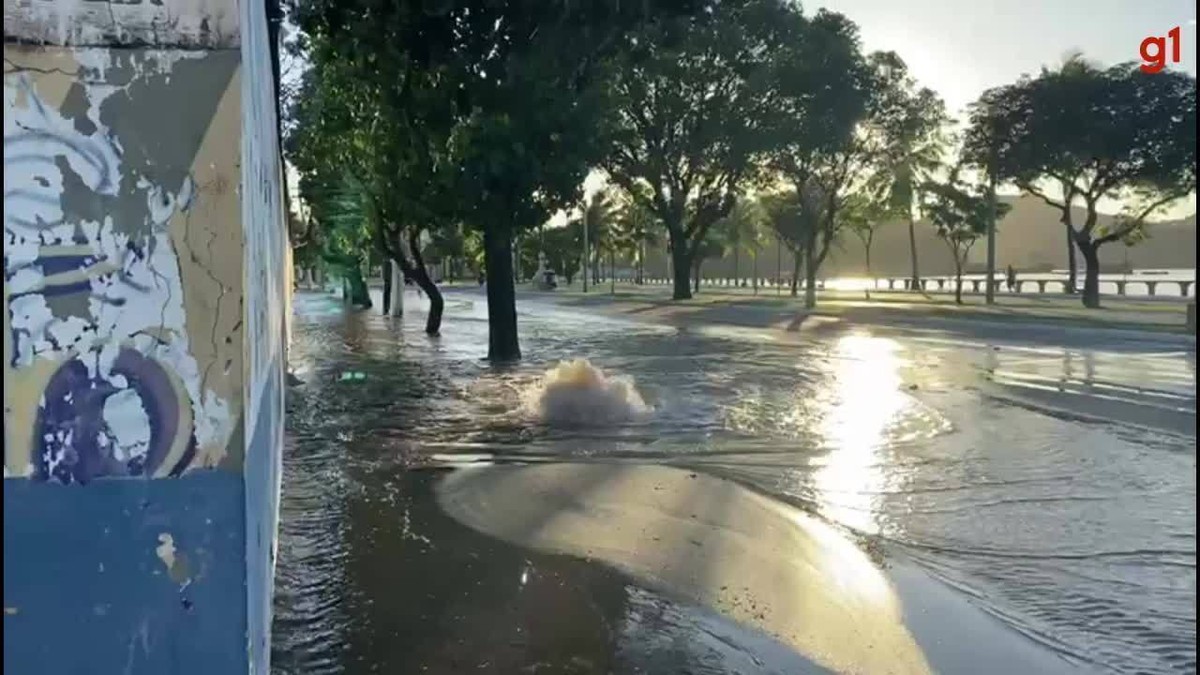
[{"x": 1080, "y": 535}]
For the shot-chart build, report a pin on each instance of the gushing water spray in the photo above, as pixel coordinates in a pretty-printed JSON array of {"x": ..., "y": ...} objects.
[{"x": 576, "y": 394}]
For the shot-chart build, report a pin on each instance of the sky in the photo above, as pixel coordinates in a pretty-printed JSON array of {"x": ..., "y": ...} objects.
[{"x": 959, "y": 48}]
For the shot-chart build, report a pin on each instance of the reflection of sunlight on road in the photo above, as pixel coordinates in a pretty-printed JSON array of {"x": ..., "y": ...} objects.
[{"x": 865, "y": 401}]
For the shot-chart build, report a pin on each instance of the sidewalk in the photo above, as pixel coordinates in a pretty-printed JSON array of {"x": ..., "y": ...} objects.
[{"x": 720, "y": 305}]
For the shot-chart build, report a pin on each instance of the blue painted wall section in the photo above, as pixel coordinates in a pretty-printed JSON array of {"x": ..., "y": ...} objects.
[{"x": 125, "y": 576}]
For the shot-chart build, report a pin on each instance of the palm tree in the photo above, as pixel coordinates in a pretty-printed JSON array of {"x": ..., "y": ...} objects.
[
  {"x": 597, "y": 215},
  {"x": 782, "y": 211},
  {"x": 913, "y": 166},
  {"x": 913, "y": 153},
  {"x": 743, "y": 229},
  {"x": 634, "y": 229}
]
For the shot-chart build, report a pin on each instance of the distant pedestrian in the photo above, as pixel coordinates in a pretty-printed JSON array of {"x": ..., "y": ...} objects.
[{"x": 1011, "y": 279}]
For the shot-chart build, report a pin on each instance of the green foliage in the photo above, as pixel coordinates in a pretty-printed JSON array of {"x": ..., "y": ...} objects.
[
  {"x": 473, "y": 250},
  {"x": 743, "y": 229},
  {"x": 822, "y": 94},
  {"x": 960, "y": 213},
  {"x": 1080, "y": 134},
  {"x": 690, "y": 116},
  {"x": 713, "y": 245},
  {"x": 467, "y": 112},
  {"x": 782, "y": 211},
  {"x": 909, "y": 124},
  {"x": 863, "y": 216},
  {"x": 635, "y": 227},
  {"x": 599, "y": 212},
  {"x": 563, "y": 247},
  {"x": 875, "y": 136}
]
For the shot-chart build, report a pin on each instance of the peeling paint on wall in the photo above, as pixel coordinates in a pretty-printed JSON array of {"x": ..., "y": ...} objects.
[
  {"x": 122, "y": 340},
  {"x": 208, "y": 24}
]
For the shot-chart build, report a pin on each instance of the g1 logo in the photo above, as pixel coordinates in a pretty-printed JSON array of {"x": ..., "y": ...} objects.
[{"x": 1154, "y": 51}]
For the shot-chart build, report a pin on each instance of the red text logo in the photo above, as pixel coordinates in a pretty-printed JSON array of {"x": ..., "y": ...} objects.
[{"x": 1154, "y": 51}]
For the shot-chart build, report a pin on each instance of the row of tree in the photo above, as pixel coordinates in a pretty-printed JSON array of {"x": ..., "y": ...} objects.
[{"x": 459, "y": 127}]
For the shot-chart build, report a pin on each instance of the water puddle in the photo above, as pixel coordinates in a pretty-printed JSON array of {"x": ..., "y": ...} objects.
[{"x": 1080, "y": 535}]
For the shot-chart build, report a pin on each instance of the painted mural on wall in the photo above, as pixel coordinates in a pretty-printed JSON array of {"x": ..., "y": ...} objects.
[{"x": 122, "y": 262}]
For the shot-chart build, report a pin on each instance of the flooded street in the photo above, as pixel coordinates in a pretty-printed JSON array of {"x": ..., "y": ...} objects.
[{"x": 981, "y": 463}]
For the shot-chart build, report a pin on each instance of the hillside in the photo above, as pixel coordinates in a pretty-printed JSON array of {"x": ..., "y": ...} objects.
[{"x": 1029, "y": 237}]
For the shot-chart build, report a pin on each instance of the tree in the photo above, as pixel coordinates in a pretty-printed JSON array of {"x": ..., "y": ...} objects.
[
  {"x": 742, "y": 231},
  {"x": 1079, "y": 135},
  {"x": 689, "y": 110},
  {"x": 345, "y": 235},
  {"x": 864, "y": 217},
  {"x": 448, "y": 244},
  {"x": 492, "y": 108},
  {"x": 837, "y": 149},
  {"x": 714, "y": 245},
  {"x": 635, "y": 230},
  {"x": 598, "y": 212},
  {"x": 562, "y": 246},
  {"x": 782, "y": 210},
  {"x": 913, "y": 135},
  {"x": 349, "y": 120},
  {"x": 960, "y": 214}
]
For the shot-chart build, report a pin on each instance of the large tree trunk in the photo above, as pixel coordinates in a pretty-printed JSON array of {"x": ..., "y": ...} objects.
[
  {"x": 737, "y": 255},
  {"x": 912, "y": 251},
  {"x": 612, "y": 272},
  {"x": 516, "y": 255},
  {"x": 501, "y": 295},
  {"x": 778, "y": 265},
  {"x": 360, "y": 296},
  {"x": 433, "y": 322},
  {"x": 387, "y": 287},
  {"x": 681, "y": 269},
  {"x": 755, "y": 282},
  {"x": 395, "y": 271},
  {"x": 990, "y": 294},
  {"x": 797, "y": 261},
  {"x": 1072, "y": 265},
  {"x": 870, "y": 276},
  {"x": 810, "y": 276},
  {"x": 957, "y": 281},
  {"x": 641, "y": 268},
  {"x": 1091, "y": 273}
]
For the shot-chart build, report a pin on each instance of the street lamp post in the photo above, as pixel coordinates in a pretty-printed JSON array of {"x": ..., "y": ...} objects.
[
  {"x": 778, "y": 264},
  {"x": 990, "y": 296},
  {"x": 587, "y": 259}
]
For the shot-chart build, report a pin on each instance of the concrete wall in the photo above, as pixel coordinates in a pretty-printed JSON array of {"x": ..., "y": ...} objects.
[{"x": 142, "y": 422}]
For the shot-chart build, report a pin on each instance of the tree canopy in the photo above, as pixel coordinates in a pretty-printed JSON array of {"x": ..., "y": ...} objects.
[
  {"x": 1081, "y": 134},
  {"x": 960, "y": 213},
  {"x": 690, "y": 115},
  {"x": 481, "y": 113}
]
